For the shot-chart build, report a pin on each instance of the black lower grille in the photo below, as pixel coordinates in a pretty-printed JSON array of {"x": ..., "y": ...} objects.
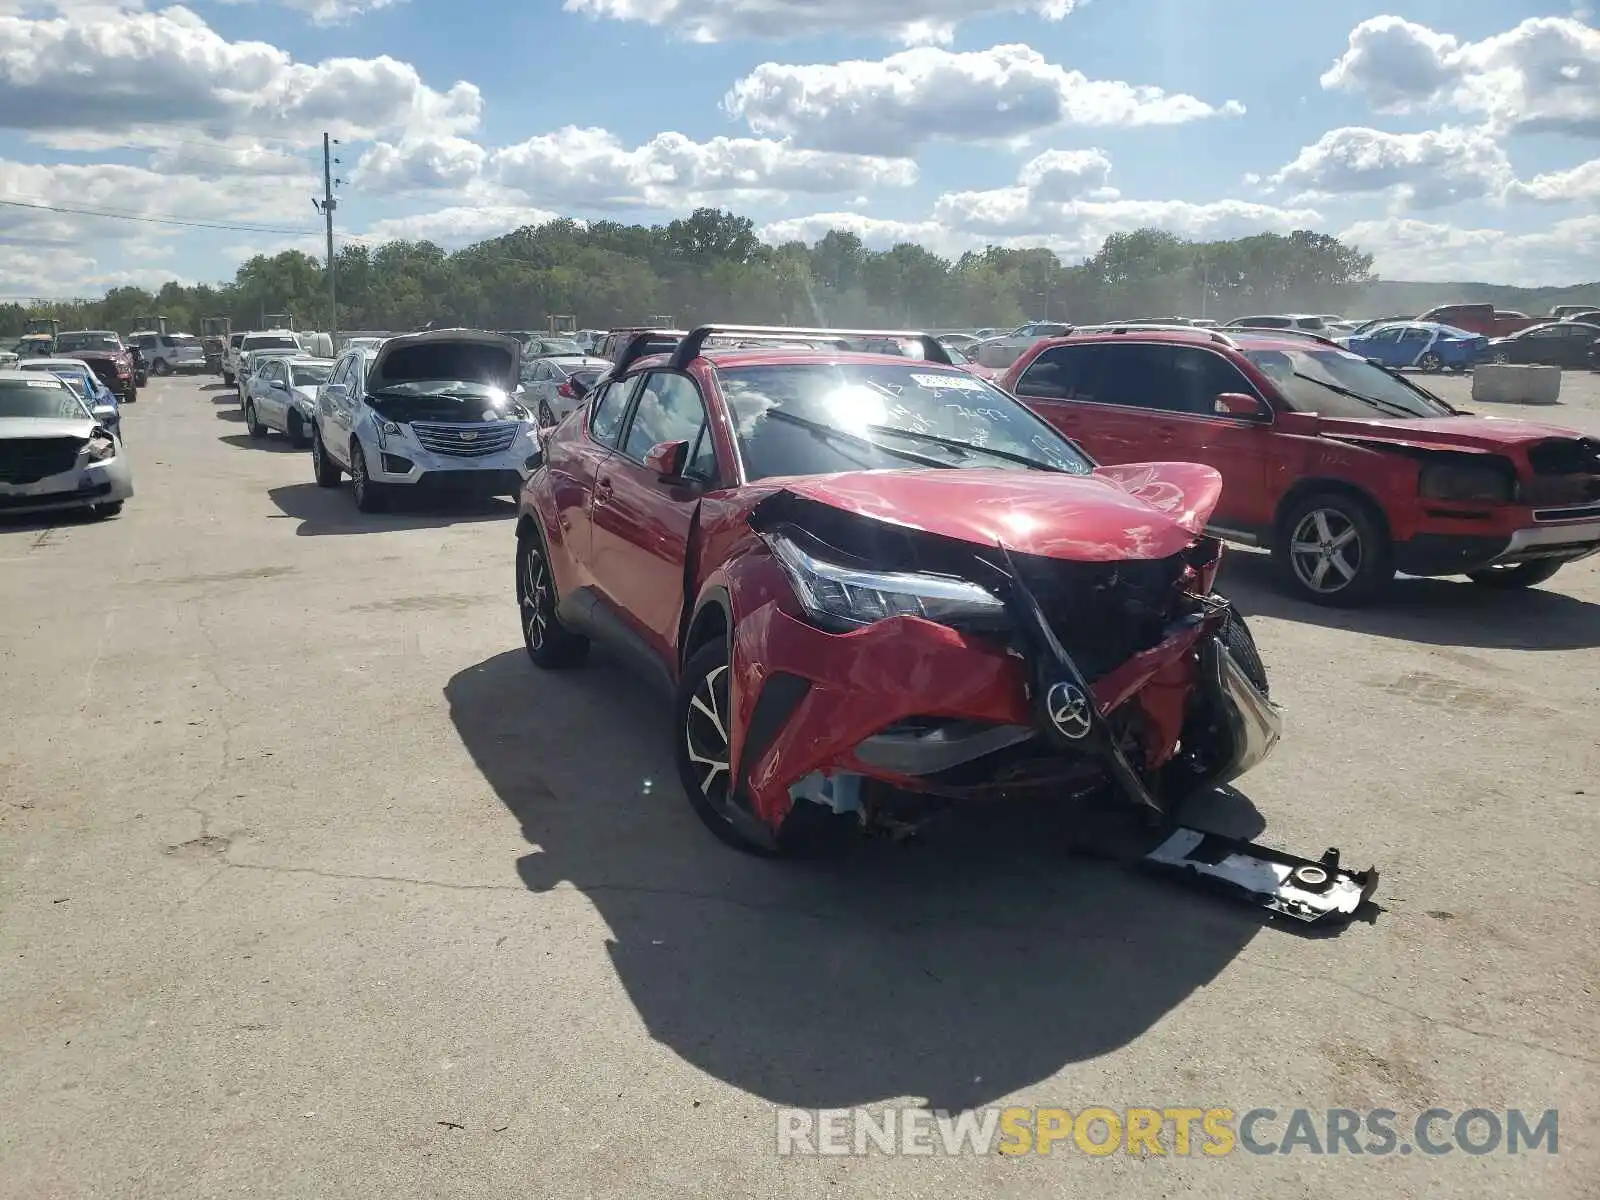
[
  {"x": 28, "y": 460},
  {"x": 1105, "y": 613}
]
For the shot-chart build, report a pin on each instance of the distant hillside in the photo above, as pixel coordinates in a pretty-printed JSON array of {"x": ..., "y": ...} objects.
[{"x": 1393, "y": 297}]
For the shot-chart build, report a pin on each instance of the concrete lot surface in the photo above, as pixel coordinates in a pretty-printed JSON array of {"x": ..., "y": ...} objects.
[{"x": 313, "y": 887}]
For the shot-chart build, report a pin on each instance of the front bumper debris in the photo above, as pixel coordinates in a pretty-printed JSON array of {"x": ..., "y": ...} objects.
[{"x": 1303, "y": 889}]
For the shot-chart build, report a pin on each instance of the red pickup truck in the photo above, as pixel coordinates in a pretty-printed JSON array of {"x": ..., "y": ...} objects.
[{"x": 1481, "y": 318}]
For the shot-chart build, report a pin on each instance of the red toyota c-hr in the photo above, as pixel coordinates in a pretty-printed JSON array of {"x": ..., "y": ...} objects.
[{"x": 879, "y": 585}]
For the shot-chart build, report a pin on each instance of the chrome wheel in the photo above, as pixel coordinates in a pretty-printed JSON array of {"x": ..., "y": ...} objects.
[
  {"x": 1430, "y": 363},
  {"x": 705, "y": 736},
  {"x": 1325, "y": 551},
  {"x": 535, "y": 599}
]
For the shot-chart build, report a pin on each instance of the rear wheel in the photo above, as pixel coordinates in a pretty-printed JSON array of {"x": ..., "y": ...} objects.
[
  {"x": 160, "y": 367},
  {"x": 550, "y": 644},
  {"x": 323, "y": 468},
  {"x": 252, "y": 424},
  {"x": 1430, "y": 363},
  {"x": 227, "y": 379},
  {"x": 1517, "y": 575},
  {"x": 1335, "y": 551}
]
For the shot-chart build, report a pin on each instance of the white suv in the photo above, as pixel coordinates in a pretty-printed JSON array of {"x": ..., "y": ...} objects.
[
  {"x": 440, "y": 410},
  {"x": 258, "y": 339},
  {"x": 169, "y": 352}
]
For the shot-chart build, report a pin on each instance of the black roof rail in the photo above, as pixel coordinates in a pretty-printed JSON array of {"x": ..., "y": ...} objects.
[
  {"x": 689, "y": 349},
  {"x": 642, "y": 343}
]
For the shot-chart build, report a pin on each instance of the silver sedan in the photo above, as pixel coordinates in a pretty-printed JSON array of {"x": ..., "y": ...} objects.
[{"x": 56, "y": 452}]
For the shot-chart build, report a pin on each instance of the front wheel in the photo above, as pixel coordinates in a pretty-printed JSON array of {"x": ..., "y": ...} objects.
[
  {"x": 252, "y": 423},
  {"x": 160, "y": 367},
  {"x": 1501, "y": 357},
  {"x": 370, "y": 497},
  {"x": 1516, "y": 575},
  {"x": 297, "y": 432},
  {"x": 227, "y": 379},
  {"x": 550, "y": 644},
  {"x": 323, "y": 468},
  {"x": 1335, "y": 551},
  {"x": 102, "y": 511}
]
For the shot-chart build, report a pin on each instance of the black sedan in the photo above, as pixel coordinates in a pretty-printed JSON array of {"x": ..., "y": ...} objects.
[{"x": 1558, "y": 344}]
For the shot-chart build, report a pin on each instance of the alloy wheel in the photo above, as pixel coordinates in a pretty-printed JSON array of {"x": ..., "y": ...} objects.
[
  {"x": 1325, "y": 551},
  {"x": 535, "y": 598},
  {"x": 1430, "y": 363},
  {"x": 705, "y": 735}
]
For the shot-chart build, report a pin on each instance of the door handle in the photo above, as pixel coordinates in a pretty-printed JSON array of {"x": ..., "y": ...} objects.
[{"x": 602, "y": 491}]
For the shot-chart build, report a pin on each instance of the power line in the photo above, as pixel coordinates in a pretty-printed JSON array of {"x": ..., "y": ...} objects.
[{"x": 153, "y": 219}]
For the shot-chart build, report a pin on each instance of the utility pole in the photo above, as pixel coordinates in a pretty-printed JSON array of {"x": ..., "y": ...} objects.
[{"x": 326, "y": 207}]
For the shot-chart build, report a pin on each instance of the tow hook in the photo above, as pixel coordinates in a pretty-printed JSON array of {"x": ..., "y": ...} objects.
[{"x": 1306, "y": 890}]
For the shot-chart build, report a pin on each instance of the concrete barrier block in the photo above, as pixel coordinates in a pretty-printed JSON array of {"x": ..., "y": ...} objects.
[{"x": 1513, "y": 383}]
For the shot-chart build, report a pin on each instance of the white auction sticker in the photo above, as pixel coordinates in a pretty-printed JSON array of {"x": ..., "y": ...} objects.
[{"x": 948, "y": 383}]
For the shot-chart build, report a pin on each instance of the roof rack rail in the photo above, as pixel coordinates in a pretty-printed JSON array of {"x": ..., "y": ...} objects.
[
  {"x": 689, "y": 349},
  {"x": 643, "y": 343},
  {"x": 1216, "y": 336}
]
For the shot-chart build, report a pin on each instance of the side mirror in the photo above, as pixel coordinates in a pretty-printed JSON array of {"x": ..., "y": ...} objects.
[
  {"x": 106, "y": 414},
  {"x": 278, "y": 385},
  {"x": 1239, "y": 404},
  {"x": 667, "y": 460},
  {"x": 336, "y": 392}
]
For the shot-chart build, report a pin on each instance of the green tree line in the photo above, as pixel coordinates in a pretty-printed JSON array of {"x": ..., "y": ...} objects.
[{"x": 710, "y": 265}]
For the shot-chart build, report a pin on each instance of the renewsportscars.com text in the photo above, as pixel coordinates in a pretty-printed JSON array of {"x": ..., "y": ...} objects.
[{"x": 1180, "y": 1132}]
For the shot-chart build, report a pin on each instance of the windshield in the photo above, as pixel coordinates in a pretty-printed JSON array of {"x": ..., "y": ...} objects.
[
  {"x": 39, "y": 398},
  {"x": 271, "y": 342},
  {"x": 443, "y": 400},
  {"x": 88, "y": 341},
  {"x": 311, "y": 374},
  {"x": 1316, "y": 380},
  {"x": 816, "y": 418},
  {"x": 550, "y": 348}
]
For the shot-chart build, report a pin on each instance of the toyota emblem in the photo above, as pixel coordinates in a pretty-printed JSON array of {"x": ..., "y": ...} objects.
[{"x": 1068, "y": 709}]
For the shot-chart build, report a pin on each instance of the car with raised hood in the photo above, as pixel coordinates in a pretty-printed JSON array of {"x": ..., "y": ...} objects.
[
  {"x": 1347, "y": 471},
  {"x": 877, "y": 587},
  {"x": 440, "y": 411},
  {"x": 55, "y": 451},
  {"x": 282, "y": 397}
]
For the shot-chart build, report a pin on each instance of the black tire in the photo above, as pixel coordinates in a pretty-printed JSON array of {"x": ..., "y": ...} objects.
[
  {"x": 1521, "y": 575},
  {"x": 1501, "y": 356},
  {"x": 1359, "y": 582},
  {"x": 227, "y": 379},
  {"x": 160, "y": 367},
  {"x": 370, "y": 497},
  {"x": 1430, "y": 363},
  {"x": 297, "y": 432},
  {"x": 323, "y": 469},
  {"x": 131, "y": 396},
  {"x": 103, "y": 511},
  {"x": 1241, "y": 644},
  {"x": 550, "y": 644},
  {"x": 252, "y": 425}
]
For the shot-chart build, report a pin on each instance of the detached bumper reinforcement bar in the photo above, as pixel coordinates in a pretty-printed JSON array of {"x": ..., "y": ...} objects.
[{"x": 1305, "y": 889}]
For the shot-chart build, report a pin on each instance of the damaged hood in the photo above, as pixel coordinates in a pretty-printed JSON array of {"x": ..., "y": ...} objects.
[
  {"x": 1146, "y": 510},
  {"x": 468, "y": 355},
  {"x": 1443, "y": 433}
]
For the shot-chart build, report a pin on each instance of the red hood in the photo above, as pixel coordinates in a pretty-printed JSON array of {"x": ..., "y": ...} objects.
[
  {"x": 1146, "y": 510},
  {"x": 1455, "y": 433}
]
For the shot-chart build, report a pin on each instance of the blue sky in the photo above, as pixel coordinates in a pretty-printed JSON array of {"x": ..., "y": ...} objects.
[{"x": 1452, "y": 140}]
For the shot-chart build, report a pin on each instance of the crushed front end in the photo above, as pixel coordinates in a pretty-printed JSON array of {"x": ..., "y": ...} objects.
[{"x": 910, "y": 671}]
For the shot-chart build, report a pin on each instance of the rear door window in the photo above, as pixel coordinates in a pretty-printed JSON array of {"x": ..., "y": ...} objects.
[{"x": 1059, "y": 373}]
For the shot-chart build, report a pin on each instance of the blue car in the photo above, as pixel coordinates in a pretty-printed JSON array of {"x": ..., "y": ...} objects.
[{"x": 1424, "y": 345}]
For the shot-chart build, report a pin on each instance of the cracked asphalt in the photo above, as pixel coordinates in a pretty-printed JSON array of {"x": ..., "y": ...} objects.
[{"x": 312, "y": 887}]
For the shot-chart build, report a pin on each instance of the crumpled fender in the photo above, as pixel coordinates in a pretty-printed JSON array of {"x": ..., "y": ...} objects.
[{"x": 902, "y": 667}]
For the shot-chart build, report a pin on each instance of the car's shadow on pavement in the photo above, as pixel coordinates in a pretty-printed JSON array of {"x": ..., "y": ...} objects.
[
  {"x": 1439, "y": 612},
  {"x": 41, "y": 522},
  {"x": 229, "y": 414},
  {"x": 322, "y": 511},
  {"x": 954, "y": 970},
  {"x": 274, "y": 442},
  {"x": 226, "y": 397}
]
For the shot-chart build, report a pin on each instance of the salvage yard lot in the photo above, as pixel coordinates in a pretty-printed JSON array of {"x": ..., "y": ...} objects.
[{"x": 313, "y": 887}]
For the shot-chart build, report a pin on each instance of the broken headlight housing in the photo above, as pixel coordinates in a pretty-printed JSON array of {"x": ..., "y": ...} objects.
[
  {"x": 842, "y": 597},
  {"x": 102, "y": 446},
  {"x": 1469, "y": 482}
]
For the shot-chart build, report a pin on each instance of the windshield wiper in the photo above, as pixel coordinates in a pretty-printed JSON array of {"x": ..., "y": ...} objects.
[
  {"x": 1340, "y": 389},
  {"x": 964, "y": 447},
  {"x": 828, "y": 431}
]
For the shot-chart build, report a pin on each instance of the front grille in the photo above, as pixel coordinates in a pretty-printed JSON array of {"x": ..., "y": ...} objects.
[
  {"x": 28, "y": 460},
  {"x": 1565, "y": 456},
  {"x": 467, "y": 441},
  {"x": 1105, "y": 613}
]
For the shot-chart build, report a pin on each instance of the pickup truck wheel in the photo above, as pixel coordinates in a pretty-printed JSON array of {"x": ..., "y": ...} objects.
[
  {"x": 252, "y": 425},
  {"x": 370, "y": 497},
  {"x": 323, "y": 468},
  {"x": 1335, "y": 550},
  {"x": 1430, "y": 363},
  {"x": 550, "y": 644},
  {"x": 1516, "y": 575}
]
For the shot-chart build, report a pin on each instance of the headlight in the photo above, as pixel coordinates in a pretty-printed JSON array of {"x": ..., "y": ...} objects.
[
  {"x": 101, "y": 446},
  {"x": 1448, "y": 481},
  {"x": 848, "y": 597},
  {"x": 384, "y": 430}
]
